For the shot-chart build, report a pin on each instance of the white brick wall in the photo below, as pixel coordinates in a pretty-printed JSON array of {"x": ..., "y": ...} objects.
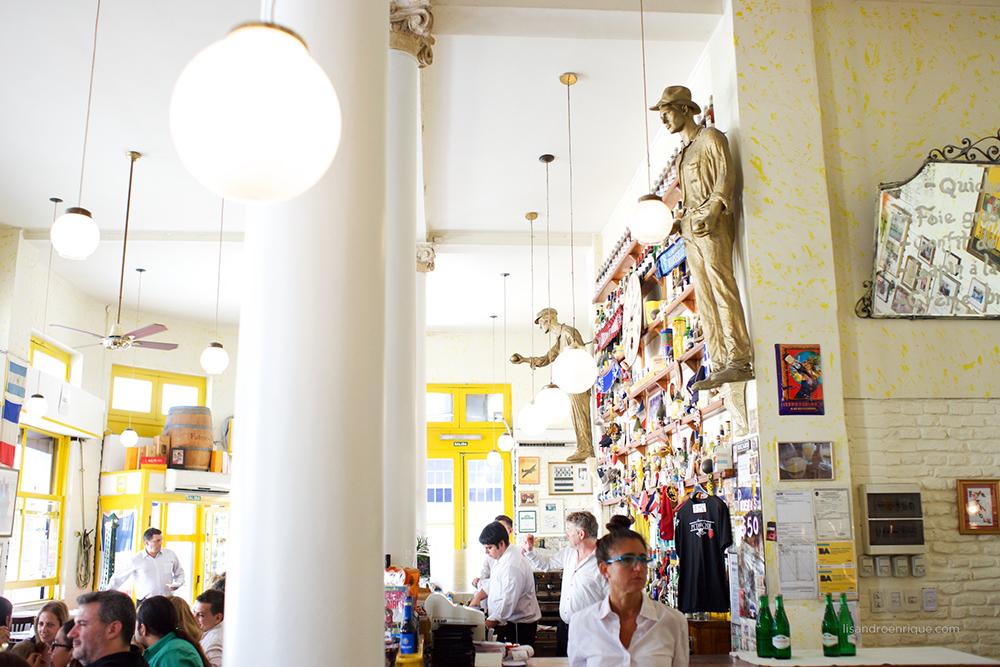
[{"x": 934, "y": 442}]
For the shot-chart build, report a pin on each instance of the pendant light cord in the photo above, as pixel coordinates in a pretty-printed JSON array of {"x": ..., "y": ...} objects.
[
  {"x": 218, "y": 281},
  {"x": 45, "y": 311},
  {"x": 267, "y": 11},
  {"x": 548, "y": 254},
  {"x": 128, "y": 207},
  {"x": 504, "y": 276},
  {"x": 90, "y": 97},
  {"x": 138, "y": 299},
  {"x": 493, "y": 372},
  {"x": 645, "y": 101},
  {"x": 531, "y": 234},
  {"x": 569, "y": 155}
]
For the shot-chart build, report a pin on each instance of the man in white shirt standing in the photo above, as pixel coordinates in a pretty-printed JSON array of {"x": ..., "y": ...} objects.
[
  {"x": 157, "y": 571},
  {"x": 513, "y": 610},
  {"x": 582, "y": 581},
  {"x": 482, "y": 582},
  {"x": 209, "y": 611}
]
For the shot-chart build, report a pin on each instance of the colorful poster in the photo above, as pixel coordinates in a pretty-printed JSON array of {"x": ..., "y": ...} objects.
[{"x": 800, "y": 379}]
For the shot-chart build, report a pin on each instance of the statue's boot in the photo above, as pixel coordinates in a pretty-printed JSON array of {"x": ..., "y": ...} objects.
[{"x": 581, "y": 454}]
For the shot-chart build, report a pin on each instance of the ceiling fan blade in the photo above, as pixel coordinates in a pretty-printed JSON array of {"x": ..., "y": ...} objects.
[
  {"x": 63, "y": 326},
  {"x": 149, "y": 330},
  {"x": 80, "y": 347},
  {"x": 153, "y": 345}
]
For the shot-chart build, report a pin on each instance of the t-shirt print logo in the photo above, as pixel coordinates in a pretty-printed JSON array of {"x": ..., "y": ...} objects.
[{"x": 703, "y": 527}]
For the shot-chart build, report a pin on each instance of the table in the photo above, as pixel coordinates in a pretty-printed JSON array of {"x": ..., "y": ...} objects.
[{"x": 910, "y": 656}]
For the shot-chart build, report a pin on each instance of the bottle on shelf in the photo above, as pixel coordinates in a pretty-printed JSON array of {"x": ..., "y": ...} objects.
[
  {"x": 764, "y": 629},
  {"x": 845, "y": 629},
  {"x": 408, "y": 632},
  {"x": 781, "y": 635},
  {"x": 830, "y": 630}
]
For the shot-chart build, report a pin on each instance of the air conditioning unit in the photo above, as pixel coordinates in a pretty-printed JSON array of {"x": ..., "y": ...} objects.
[{"x": 197, "y": 481}]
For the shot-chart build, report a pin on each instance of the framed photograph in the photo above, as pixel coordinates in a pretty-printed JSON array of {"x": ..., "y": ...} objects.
[
  {"x": 976, "y": 296},
  {"x": 977, "y": 506},
  {"x": 889, "y": 259},
  {"x": 805, "y": 460},
  {"x": 883, "y": 287},
  {"x": 800, "y": 379},
  {"x": 925, "y": 249},
  {"x": 552, "y": 519},
  {"x": 910, "y": 272},
  {"x": 569, "y": 478},
  {"x": 899, "y": 223},
  {"x": 527, "y": 521},
  {"x": 176, "y": 457},
  {"x": 952, "y": 264},
  {"x": 925, "y": 280},
  {"x": 8, "y": 494},
  {"x": 528, "y": 498},
  {"x": 902, "y": 301},
  {"x": 527, "y": 470}
]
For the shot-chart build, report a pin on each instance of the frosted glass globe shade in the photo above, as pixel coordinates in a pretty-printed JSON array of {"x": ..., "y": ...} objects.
[
  {"x": 554, "y": 403},
  {"x": 532, "y": 420},
  {"x": 574, "y": 370},
  {"x": 36, "y": 406},
  {"x": 129, "y": 438},
  {"x": 506, "y": 442},
  {"x": 254, "y": 118},
  {"x": 74, "y": 234},
  {"x": 651, "y": 220},
  {"x": 493, "y": 458},
  {"x": 214, "y": 359}
]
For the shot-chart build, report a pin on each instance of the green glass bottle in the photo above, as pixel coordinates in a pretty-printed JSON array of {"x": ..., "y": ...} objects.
[
  {"x": 764, "y": 623},
  {"x": 831, "y": 630},
  {"x": 845, "y": 629},
  {"x": 781, "y": 634}
]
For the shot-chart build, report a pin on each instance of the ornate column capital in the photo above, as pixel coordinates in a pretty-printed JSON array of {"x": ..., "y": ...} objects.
[
  {"x": 410, "y": 24},
  {"x": 425, "y": 257}
]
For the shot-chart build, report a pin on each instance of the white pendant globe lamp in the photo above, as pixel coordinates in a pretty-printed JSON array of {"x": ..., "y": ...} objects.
[
  {"x": 214, "y": 358},
  {"x": 254, "y": 117},
  {"x": 532, "y": 420},
  {"x": 651, "y": 220},
  {"x": 554, "y": 402},
  {"x": 575, "y": 369},
  {"x": 129, "y": 437},
  {"x": 36, "y": 406},
  {"x": 494, "y": 458},
  {"x": 74, "y": 234},
  {"x": 506, "y": 441}
]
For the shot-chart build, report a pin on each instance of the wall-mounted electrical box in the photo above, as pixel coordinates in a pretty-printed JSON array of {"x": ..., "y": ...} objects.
[{"x": 892, "y": 520}]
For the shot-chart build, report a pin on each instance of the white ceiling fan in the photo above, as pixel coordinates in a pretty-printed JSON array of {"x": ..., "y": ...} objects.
[{"x": 117, "y": 339}]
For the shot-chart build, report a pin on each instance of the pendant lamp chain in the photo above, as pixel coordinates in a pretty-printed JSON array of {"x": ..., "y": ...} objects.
[
  {"x": 645, "y": 105},
  {"x": 90, "y": 97},
  {"x": 132, "y": 156}
]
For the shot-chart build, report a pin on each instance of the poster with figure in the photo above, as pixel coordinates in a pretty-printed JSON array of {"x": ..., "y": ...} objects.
[{"x": 800, "y": 379}]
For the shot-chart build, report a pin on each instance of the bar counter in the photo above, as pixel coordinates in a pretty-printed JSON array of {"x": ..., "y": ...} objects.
[{"x": 910, "y": 656}]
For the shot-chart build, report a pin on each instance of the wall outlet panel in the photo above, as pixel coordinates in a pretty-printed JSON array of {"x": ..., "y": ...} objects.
[
  {"x": 883, "y": 566},
  {"x": 912, "y": 600},
  {"x": 895, "y": 599},
  {"x": 867, "y": 568},
  {"x": 930, "y": 599},
  {"x": 878, "y": 601},
  {"x": 900, "y": 566},
  {"x": 917, "y": 566}
]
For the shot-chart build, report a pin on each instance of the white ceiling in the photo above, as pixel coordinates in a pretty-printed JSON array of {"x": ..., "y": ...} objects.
[{"x": 492, "y": 105}]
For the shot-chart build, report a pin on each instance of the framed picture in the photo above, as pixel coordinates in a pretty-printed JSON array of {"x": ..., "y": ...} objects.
[
  {"x": 910, "y": 272},
  {"x": 569, "y": 478},
  {"x": 902, "y": 301},
  {"x": 899, "y": 223},
  {"x": 527, "y": 521},
  {"x": 977, "y": 506},
  {"x": 884, "y": 287},
  {"x": 800, "y": 379},
  {"x": 952, "y": 264},
  {"x": 527, "y": 470},
  {"x": 925, "y": 280},
  {"x": 8, "y": 494},
  {"x": 925, "y": 249},
  {"x": 528, "y": 498},
  {"x": 976, "y": 296},
  {"x": 889, "y": 260},
  {"x": 553, "y": 519},
  {"x": 805, "y": 460}
]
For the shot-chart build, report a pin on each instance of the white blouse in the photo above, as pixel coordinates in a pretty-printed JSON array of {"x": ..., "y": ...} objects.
[{"x": 660, "y": 638}]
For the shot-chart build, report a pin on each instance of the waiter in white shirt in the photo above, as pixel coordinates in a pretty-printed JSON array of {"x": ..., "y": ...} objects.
[
  {"x": 157, "y": 571},
  {"x": 582, "y": 581},
  {"x": 512, "y": 608},
  {"x": 482, "y": 582}
]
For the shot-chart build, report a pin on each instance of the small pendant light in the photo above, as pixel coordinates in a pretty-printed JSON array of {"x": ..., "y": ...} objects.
[{"x": 214, "y": 358}]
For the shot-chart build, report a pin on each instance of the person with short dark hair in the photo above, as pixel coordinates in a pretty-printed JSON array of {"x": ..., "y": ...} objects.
[
  {"x": 626, "y": 627},
  {"x": 209, "y": 612},
  {"x": 157, "y": 571},
  {"x": 482, "y": 582},
  {"x": 104, "y": 625},
  {"x": 512, "y": 608},
  {"x": 167, "y": 645},
  {"x": 6, "y": 616},
  {"x": 62, "y": 647}
]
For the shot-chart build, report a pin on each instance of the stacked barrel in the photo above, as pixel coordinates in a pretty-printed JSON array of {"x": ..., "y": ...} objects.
[{"x": 189, "y": 428}]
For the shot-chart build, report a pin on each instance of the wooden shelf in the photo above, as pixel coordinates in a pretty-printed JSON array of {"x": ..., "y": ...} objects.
[
  {"x": 618, "y": 271},
  {"x": 612, "y": 501}
]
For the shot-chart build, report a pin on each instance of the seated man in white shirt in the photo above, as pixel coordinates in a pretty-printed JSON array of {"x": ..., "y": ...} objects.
[
  {"x": 482, "y": 582},
  {"x": 209, "y": 611},
  {"x": 157, "y": 571},
  {"x": 512, "y": 607},
  {"x": 582, "y": 581}
]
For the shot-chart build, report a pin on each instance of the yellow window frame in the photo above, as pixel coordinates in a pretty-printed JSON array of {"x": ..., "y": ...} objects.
[
  {"x": 59, "y": 497},
  {"x": 149, "y": 424},
  {"x": 59, "y": 354},
  {"x": 460, "y": 393}
]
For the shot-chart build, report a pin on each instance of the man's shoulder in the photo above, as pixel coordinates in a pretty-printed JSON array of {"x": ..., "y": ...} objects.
[{"x": 123, "y": 659}]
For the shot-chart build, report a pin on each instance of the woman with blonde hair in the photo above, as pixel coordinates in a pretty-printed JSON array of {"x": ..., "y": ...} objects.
[
  {"x": 186, "y": 619},
  {"x": 50, "y": 618}
]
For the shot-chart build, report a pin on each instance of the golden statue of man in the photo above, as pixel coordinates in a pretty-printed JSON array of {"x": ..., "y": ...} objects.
[
  {"x": 566, "y": 337},
  {"x": 707, "y": 179}
]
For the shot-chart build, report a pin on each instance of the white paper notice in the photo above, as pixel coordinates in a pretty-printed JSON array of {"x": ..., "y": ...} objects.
[
  {"x": 832, "y": 508},
  {"x": 793, "y": 509},
  {"x": 797, "y": 571}
]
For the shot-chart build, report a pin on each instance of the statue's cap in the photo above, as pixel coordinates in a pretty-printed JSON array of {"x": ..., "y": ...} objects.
[
  {"x": 676, "y": 95},
  {"x": 545, "y": 311}
]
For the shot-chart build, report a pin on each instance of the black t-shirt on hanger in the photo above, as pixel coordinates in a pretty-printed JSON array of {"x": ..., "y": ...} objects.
[{"x": 703, "y": 534}]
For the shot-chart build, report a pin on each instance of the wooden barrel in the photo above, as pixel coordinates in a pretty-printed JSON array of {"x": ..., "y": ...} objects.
[{"x": 191, "y": 437}]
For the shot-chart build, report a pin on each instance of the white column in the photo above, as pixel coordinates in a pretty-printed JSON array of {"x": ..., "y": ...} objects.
[
  {"x": 402, "y": 139},
  {"x": 309, "y": 407}
]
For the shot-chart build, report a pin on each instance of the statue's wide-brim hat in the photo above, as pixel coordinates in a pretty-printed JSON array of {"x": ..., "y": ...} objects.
[
  {"x": 676, "y": 95},
  {"x": 543, "y": 312}
]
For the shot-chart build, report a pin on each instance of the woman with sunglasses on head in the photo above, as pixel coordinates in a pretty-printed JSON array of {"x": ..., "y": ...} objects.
[{"x": 627, "y": 629}]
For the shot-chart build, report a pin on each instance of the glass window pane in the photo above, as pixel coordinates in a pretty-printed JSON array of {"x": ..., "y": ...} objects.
[
  {"x": 40, "y": 540},
  {"x": 37, "y": 463},
  {"x": 185, "y": 554},
  {"x": 485, "y": 495},
  {"x": 134, "y": 395},
  {"x": 15, "y": 543},
  {"x": 440, "y": 407},
  {"x": 483, "y": 407},
  {"x": 49, "y": 364},
  {"x": 180, "y": 519},
  {"x": 176, "y": 394}
]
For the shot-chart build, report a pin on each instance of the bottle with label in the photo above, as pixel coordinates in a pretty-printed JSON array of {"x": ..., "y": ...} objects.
[
  {"x": 781, "y": 635},
  {"x": 408, "y": 633},
  {"x": 764, "y": 623},
  {"x": 831, "y": 632},
  {"x": 845, "y": 634}
]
